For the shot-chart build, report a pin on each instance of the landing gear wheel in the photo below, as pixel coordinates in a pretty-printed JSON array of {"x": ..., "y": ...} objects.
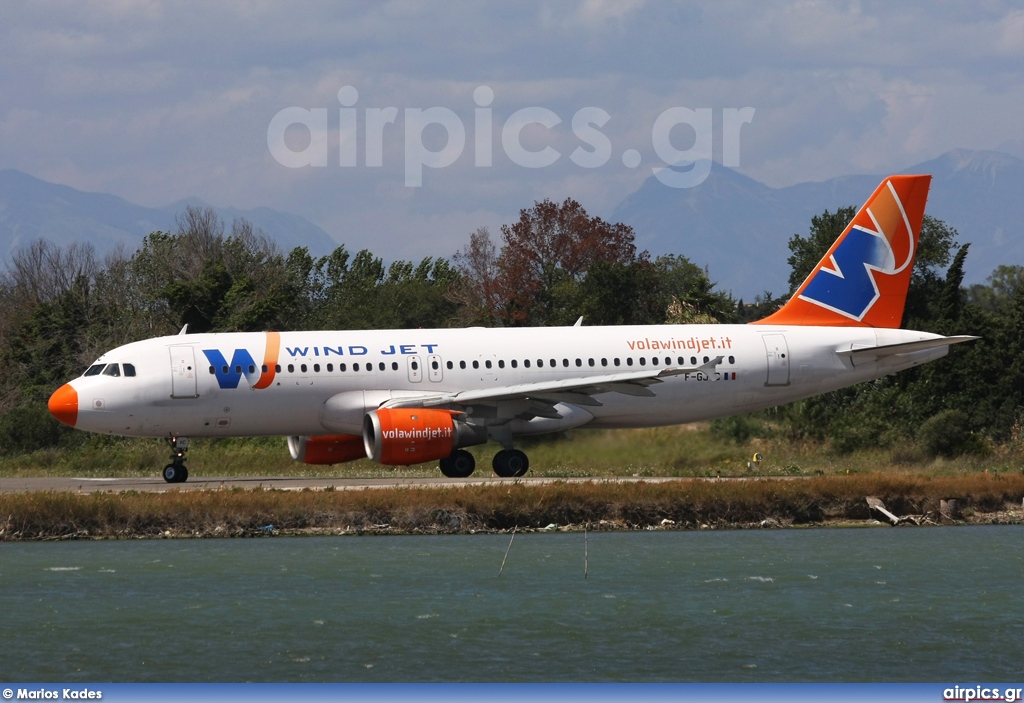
[
  {"x": 460, "y": 464},
  {"x": 511, "y": 463},
  {"x": 175, "y": 473}
]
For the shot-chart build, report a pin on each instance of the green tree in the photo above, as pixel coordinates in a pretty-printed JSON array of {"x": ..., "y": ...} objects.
[{"x": 808, "y": 251}]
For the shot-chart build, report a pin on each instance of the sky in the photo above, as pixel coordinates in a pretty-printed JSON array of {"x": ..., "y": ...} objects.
[{"x": 403, "y": 126}]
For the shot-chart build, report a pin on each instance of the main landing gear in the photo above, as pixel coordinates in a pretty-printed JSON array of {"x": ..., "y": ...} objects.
[
  {"x": 176, "y": 471},
  {"x": 460, "y": 464},
  {"x": 511, "y": 463},
  {"x": 508, "y": 463}
]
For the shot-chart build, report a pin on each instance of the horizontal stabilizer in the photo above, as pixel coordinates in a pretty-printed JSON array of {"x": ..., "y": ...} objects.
[{"x": 866, "y": 353}]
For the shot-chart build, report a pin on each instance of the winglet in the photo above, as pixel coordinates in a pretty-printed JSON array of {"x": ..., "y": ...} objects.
[{"x": 863, "y": 279}]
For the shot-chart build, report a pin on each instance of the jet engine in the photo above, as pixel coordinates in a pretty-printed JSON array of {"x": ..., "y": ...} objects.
[
  {"x": 327, "y": 449},
  {"x": 403, "y": 436}
]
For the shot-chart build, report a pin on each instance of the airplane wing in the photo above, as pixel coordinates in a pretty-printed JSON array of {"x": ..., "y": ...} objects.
[
  {"x": 543, "y": 396},
  {"x": 884, "y": 350}
]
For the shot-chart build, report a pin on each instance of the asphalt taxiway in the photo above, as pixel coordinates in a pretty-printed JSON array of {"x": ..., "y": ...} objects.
[{"x": 158, "y": 485}]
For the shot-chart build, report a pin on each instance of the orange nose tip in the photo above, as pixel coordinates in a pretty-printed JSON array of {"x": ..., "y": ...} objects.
[{"x": 63, "y": 405}]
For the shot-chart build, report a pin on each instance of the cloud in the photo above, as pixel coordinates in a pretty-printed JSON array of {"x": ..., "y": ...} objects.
[{"x": 156, "y": 102}]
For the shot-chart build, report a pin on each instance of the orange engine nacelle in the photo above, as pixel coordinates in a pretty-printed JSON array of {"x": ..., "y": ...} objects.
[
  {"x": 403, "y": 436},
  {"x": 327, "y": 449}
]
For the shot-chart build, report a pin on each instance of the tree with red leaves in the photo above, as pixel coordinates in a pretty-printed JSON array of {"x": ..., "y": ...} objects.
[{"x": 546, "y": 256}]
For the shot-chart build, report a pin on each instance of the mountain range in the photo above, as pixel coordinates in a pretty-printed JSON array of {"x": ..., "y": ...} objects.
[
  {"x": 32, "y": 209},
  {"x": 734, "y": 226},
  {"x": 739, "y": 228}
]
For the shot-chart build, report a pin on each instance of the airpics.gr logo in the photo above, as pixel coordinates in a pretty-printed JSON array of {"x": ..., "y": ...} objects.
[{"x": 871, "y": 247}]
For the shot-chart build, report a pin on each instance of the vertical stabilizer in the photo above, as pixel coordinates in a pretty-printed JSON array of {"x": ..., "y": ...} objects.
[{"x": 863, "y": 279}]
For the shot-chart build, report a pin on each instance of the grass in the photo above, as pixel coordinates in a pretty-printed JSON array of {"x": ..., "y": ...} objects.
[
  {"x": 832, "y": 488},
  {"x": 688, "y": 450},
  {"x": 473, "y": 508}
]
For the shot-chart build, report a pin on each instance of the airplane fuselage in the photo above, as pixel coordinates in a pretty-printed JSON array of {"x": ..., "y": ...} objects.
[{"x": 324, "y": 382}]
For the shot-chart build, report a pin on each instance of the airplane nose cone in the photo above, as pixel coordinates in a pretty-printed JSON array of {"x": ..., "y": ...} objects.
[{"x": 63, "y": 405}]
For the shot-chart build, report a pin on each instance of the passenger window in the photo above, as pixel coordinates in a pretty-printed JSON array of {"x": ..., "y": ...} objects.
[
  {"x": 316, "y": 368},
  {"x": 579, "y": 362},
  {"x": 112, "y": 370},
  {"x": 629, "y": 361},
  {"x": 93, "y": 370},
  {"x": 476, "y": 364},
  {"x": 526, "y": 363},
  {"x": 487, "y": 363},
  {"x": 732, "y": 359},
  {"x": 330, "y": 368},
  {"x": 303, "y": 367},
  {"x": 212, "y": 371},
  {"x": 462, "y": 364},
  {"x": 291, "y": 368},
  {"x": 515, "y": 364},
  {"x": 394, "y": 366},
  {"x": 450, "y": 365},
  {"x": 129, "y": 370},
  {"x": 501, "y": 363},
  {"x": 382, "y": 366}
]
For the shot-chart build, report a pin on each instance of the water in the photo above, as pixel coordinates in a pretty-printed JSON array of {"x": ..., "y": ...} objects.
[{"x": 787, "y": 605}]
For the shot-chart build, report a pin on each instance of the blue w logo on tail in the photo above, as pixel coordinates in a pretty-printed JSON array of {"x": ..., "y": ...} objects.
[{"x": 850, "y": 288}]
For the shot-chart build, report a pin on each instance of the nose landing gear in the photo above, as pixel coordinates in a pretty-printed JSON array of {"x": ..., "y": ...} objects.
[{"x": 176, "y": 471}]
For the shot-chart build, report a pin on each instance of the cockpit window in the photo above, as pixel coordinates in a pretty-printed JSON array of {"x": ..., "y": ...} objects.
[
  {"x": 93, "y": 370},
  {"x": 129, "y": 369},
  {"x": 112, "y": 370}
]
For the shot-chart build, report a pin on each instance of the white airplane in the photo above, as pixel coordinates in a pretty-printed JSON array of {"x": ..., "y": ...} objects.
[{"x": 403, "y": 397}]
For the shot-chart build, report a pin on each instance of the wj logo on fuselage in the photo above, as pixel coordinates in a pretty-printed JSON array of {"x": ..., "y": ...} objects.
[
  {"x": 242, "y": 363},
  {"x": 229, "y": 374}
]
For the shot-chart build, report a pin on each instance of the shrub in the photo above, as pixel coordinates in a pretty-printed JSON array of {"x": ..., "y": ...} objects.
[
  {"x": 949, "y": 434},
  {"x": 26, "y": 428}
]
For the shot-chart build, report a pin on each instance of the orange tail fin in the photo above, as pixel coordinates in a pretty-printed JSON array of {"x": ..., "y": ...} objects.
[{"x": 863, "y": 279}]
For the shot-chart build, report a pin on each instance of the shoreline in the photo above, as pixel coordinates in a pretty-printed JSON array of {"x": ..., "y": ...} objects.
[{"x": 683, "y": 504}]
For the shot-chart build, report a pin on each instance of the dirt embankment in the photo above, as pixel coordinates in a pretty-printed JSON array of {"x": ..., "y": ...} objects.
[{"x": 683, "y": 504}]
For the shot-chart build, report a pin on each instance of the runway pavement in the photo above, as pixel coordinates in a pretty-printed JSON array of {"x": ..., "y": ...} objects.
[{"x": 158, "y": 485}]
